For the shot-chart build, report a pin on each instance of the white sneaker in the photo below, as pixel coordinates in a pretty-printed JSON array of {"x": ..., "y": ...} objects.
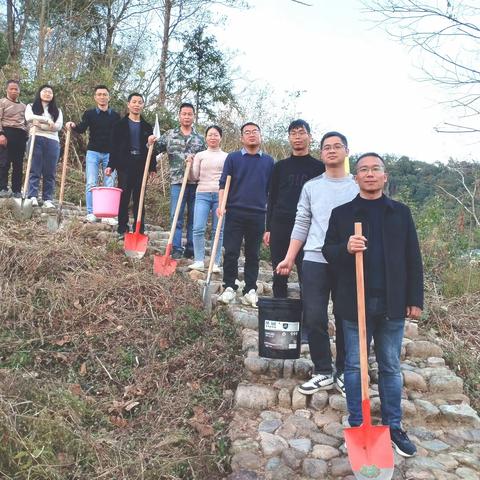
[
  {"x": 48, "y": 204},
  {"x": 91, "y": 218},
  {"x": 216, "y": 268},
  {"x": 110, "y": 221},
  {"x": 317, "y": 383},
  {"x": 250, "y": 298},
  {"x": 34, "y": 201},
  {"x": 197, "y": 266},
  {"x": 227, "y": 296}
]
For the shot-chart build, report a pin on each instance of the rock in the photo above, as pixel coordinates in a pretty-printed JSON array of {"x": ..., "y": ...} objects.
[
  {"x": 299, "y": 400},
  {"x": 257, "y": 397},
  {"x": 408, "y": 408},
  {"x": 423, "y": 349},
  {"x": 322, "y": 419},
  {"x": 275, "y": 367},
  {"x": 196, "y": 275},
  {"x": 302, "y": 368},
  {"x": 243, "y": 444},
  {"x": 467, "y": 459},
  {"x": 289, "y": 383},
  {"x": 441, "y": 475},
  {"x": 288, "y": 368},
  {"x": 284, "y": 398},
  {"x": 272, "y": 444},
  {"x": 435, "y": 446},
  {"x": 256, "y": 365},
  {"x": 340, "y": 467},
  {"x": 302, "y": 425},
  {"x": 448, "y": 398},
  {"x": 319, "y": 400},
  {"x": 414, "y": 381},
  {"x": 461, "y": 413},
  {"x": 287, "y": 431},
  {"x": 270, "y": 415},
  {"x": 323, "y": 439},
  {"x": 337, "y": 402},
  {"x": 411, "y": 330},
  {"x": 435, "y": 362},
  {"x": 334, "y": 429},
  {"x": 243, "y": 475},
  {"x": 423, "y": 463},
  {"x": 249, "y": 340},
  {"x": 429, "y": 372},
  {"x": 450, "y": 384},
  {"x": 447, "y": 461},
  {"x": 244, "y": 318},
  {"x": 314, "y": 468},
  {"x": 421, "y": 433},
  {"x": 282, "y": 473},
  {"x": 304, "y": 413},
  {"x": 302, "y": 444},
  {"x": 273, "y": 463},
  {"x": 324, "y": 452},
  {"x": 426, "y": 409},
  {"x": 467, "y": 474},
  {"x": 269, "y": 426},
  {"x": 293, "y": 457},
  {"x": 418, "y": 474},
  {"x": 246, "y": 461}
]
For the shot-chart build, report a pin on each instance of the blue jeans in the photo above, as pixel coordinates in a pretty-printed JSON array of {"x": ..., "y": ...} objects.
[
  {"x": 93, "y": 160},
  {"x": 189, "y": 201},
  {"x": 44, "y": 164},
  {"x": 205, "y": 202},
  {"x": 387, "y": 334}
]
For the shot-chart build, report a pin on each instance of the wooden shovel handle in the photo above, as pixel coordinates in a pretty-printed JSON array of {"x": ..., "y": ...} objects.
[
  {"x": 219, "y": 226},
  {"x": 362, "y": 323},
  {"x": 142, "y": 190},
  {"x": 179, "y": 202},
  {"x": 64, "y": 166},
  {"x": 33, "y": 132}
]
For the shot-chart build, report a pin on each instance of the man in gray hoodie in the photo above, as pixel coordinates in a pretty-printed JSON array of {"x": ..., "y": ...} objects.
[{"x": 318, "y": 198}]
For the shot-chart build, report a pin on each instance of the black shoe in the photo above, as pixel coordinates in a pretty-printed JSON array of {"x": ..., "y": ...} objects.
[
  {"x": 402, "y": 444},
  {"x": 177, "y": 254},
  {"x": 121, "y": 235},
  {"x": 188, "y": 254}
]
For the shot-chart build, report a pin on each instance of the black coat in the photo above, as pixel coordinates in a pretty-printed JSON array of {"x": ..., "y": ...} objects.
[
  {"x": 120, "y": 158},
  {"x": 403, "y": 261}
]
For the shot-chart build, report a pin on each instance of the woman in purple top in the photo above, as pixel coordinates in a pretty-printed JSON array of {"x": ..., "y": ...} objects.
[{"x": 206, "y": 169}]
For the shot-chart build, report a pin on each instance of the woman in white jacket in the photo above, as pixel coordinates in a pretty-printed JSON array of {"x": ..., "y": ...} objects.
[{"x": 48, "y": 120}]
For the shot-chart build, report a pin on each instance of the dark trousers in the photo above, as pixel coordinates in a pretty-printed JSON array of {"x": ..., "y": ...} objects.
[
  {"x": 279, "y": 242},
  {"x": 317, "y": 285},
  {"x": 239, "y": 225},
  {"x": 15, "y": 150},
  {"x": 131, "y": 183}
]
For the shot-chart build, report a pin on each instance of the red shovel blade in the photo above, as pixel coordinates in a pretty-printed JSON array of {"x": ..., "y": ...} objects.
[
  {"x": 135, "y": 245},
  {"x": 164, "y": 265},
  {"x": 370, "y": 452}
]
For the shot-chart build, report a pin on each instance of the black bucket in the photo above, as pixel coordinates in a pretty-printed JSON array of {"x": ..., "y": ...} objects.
[{"x": 279, "y": 322}]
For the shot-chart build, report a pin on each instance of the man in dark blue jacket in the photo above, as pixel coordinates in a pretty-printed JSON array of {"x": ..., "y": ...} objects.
[
  {"x": 393, "y": 288},
  {"x": 250, "y": 170}
]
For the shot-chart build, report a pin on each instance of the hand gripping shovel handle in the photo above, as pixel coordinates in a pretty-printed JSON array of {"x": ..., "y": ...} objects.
[
  {"x": 179, "y": 204},
  {"x": 219, "y": 228},
  {"x": 66, "y": 148},
  {"x": 33, "y": 132},
  {"x": 142, "y": 190},
  {"x": 362, "y": 331}
]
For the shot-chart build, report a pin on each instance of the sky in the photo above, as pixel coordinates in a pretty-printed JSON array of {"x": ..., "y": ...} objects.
[{"x": 355, "y": 78}]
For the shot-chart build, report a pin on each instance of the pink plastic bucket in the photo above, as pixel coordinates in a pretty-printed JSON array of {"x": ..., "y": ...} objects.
[{"x": 106, "y": 201}]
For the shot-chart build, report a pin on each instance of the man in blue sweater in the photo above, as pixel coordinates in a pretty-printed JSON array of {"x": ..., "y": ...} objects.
[{"x": 250, "y": 170}]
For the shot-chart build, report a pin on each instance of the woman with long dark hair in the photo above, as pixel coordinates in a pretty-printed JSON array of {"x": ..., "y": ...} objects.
[{"x": 44, "y": 114}]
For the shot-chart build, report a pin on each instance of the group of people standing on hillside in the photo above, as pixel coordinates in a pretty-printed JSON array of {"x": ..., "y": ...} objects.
[{"x": 303, "y": 208}]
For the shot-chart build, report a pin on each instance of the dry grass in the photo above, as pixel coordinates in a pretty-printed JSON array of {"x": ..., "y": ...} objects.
[{"x": 106, "y": 371}]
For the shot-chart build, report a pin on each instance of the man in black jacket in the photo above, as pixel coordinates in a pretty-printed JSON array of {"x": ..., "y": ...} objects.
[
  {"x": 99, "y": 121},
  {"x": 393, "y": 288},
  {"x": 128, "y": 156}
]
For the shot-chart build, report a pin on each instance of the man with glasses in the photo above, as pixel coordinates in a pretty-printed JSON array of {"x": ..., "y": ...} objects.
[
  {"x": 393, "y": 288},
  {"x": 250, "y": 170},
  {"x": 288, "y": 178},
  {"x": 99, "y": 121},
  {"x": 319, "y": 196}
]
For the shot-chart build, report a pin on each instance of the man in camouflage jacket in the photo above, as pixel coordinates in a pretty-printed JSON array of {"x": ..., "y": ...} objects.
[{"x": 180, "y": 143}]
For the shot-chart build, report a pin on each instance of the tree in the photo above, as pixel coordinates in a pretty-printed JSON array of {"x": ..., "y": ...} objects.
[
  {"x": 448, "y": 34},
  {"x": 18, "y": 14},
  {"x": 202, "y": 72}
]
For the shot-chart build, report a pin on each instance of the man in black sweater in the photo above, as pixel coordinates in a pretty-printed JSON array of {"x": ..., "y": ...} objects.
[
  {"x": 99, "y": 121},
  {"x": 393, "y": 288},
  {"x": 288, "y": 177}
]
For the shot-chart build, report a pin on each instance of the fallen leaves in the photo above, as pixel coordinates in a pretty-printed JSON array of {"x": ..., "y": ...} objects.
[{"x": 201, "y": 422}]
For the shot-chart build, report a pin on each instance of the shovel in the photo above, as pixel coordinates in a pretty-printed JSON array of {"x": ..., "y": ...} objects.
[
  {"x": 206, "y": 296},
  {"x": 369, "y": 447},
  {"x": 22, "y": 207},
  {"x": 135, "y": 244},
  {"x": 55, "y": 222},
  {"x": 165, "y": 265}
]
